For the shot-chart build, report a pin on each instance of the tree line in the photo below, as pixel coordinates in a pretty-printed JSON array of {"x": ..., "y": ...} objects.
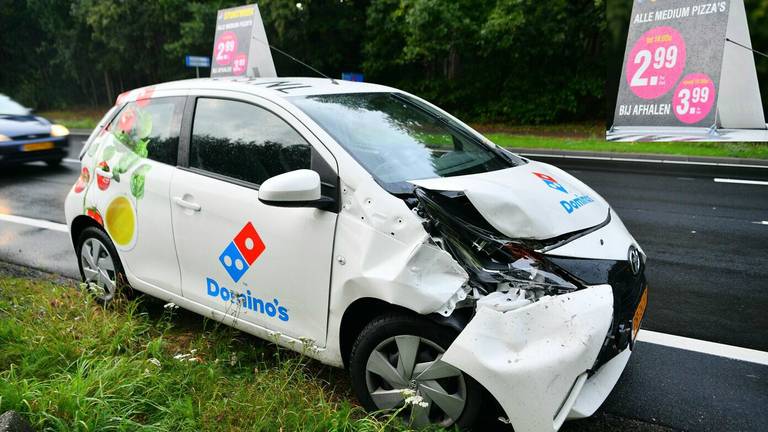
[{"x": 512, "y": 61}]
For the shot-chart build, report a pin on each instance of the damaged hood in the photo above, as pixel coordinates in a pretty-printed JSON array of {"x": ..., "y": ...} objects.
[{"x": 532, "y": 201}]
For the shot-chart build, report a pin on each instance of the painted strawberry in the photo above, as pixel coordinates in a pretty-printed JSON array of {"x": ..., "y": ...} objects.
[
  {"x": 127, "y": 120},
  {"x": 82, "y": 181},
  {"x": 103, "y": 175},
  {"x": 95, "y": 215},
  {"x": 143, "y": 96}
]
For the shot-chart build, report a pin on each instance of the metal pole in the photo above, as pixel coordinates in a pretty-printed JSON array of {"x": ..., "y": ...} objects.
[{"x": 197, "y": 71}]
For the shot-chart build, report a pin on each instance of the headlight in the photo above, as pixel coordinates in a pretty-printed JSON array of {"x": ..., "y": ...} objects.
[
  {"x": 58, "y": 130},
  {"x": 4, "y": 138},
  {"x": 529, "y": 270}
]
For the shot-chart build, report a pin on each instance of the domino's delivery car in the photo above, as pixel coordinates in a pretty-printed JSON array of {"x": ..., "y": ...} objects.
[{"x": 368, "y": 223}]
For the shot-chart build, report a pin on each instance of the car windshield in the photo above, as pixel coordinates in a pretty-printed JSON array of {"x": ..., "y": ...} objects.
[
  {"x": 10, "y": 107},
  {"x": 398, "y": 138}
]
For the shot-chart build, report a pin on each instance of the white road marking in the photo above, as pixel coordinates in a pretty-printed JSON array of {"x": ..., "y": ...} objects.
[
  {"x": 760, "y": 222},
  {"x": 38, "y": 223},
  {"x": 737, "y": 181},
  {"x": 705, "y": 347},
  {"x": 72, "y": 161}
]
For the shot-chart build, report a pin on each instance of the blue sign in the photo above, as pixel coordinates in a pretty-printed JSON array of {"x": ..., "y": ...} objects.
[
  {"x": 352, "y": 76},
  {"x": 197, "y": 61}
]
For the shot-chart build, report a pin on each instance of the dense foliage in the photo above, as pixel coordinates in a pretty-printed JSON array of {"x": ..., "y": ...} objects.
[{"x": 514, "y": 61}]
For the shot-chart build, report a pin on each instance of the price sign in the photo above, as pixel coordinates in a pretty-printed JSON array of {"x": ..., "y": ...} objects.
[
  {"x": 225, "y": 48},
  {"x": 672, "y": 64},
  {"x": 240, "y": 45},
  {"x": 656, "y": 62},
  {"x": 239, "y": 64},
  {"x": 693, "y": 98}
]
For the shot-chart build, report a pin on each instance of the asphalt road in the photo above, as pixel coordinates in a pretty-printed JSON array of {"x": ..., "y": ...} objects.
[{"x": 708, "y": 272}]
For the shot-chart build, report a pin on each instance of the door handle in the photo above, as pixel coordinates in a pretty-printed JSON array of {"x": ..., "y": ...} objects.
[{"x": 186, "y": 204}]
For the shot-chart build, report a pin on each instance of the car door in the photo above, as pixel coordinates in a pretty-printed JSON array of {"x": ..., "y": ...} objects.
[
  {"x": 264, "y": 264},
  {"x": 133, "y": 161}
]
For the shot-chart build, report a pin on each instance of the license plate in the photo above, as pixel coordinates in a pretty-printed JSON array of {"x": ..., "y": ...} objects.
[
  {"x": 37, "y": 146},
  {"x": 639, "y": 312}
]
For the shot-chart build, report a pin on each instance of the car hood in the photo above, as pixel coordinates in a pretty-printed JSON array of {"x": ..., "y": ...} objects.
[
  {"x": 532, "y": 201},
  {"x": 15, "y": 125}
]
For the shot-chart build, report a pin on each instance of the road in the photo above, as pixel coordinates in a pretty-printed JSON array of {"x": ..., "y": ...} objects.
[{"x": 707, "y": 246}]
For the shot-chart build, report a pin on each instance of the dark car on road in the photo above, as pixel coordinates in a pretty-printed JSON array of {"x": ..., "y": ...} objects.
[{"x": 25, "y": 137}]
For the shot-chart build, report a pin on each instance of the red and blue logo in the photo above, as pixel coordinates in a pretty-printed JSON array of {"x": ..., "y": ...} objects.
[
  {"x": 551, "y": 182},
  {"x": 242, "y": 252}
]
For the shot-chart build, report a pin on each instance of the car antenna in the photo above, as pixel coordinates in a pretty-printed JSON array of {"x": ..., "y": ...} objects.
[{"x": 295, "y": 59}]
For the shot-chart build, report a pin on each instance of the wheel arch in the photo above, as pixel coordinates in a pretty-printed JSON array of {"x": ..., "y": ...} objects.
[
  {"x": 357, "y": 315},
  {"x": 364, "y": 310},
  {"x": 80, "y": 223}
]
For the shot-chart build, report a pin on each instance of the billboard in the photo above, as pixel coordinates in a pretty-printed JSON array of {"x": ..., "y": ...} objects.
[
  {"x": 240, "y": 45},
  {"x": 679, "y": 70}
]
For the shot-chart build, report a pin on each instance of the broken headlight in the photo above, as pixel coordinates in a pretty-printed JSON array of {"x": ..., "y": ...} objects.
[
  {"x": 528, "y": 270},
  {"x": 493, "y": 261}
]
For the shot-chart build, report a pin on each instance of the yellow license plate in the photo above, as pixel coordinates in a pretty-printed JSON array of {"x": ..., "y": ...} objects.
[
  {"x": 639, "y": 312},
  {"x": 37, "y": 146}
]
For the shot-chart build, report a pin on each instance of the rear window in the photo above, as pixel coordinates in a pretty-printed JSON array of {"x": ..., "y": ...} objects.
[{"x": 150, "y": 128}]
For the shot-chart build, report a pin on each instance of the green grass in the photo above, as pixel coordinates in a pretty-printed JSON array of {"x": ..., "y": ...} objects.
[
  {"x": 68, "y": 364},
  {"x": 78, "y": 118},
  {"x": 734, "y": 150}
]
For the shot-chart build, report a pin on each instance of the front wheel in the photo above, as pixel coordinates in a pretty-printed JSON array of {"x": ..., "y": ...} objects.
[
  {"x": 397, "y": 356},
  {"x": 100, "y": 266}
]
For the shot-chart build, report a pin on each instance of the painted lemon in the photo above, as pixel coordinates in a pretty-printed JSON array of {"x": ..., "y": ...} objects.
[{"x": 121, "y": 221}]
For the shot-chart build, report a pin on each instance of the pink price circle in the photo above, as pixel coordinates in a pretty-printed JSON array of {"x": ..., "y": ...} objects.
[
  {"x": 239, "y": 64},
  {"x": 693, "y": 98},
  {"x": 656, "y": 62},
  {"x": 225, "y": 48}
]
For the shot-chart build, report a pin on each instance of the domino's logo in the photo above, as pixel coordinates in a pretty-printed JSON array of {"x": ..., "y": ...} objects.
[
  {"x": 551, "y": 182},
  {"x": 241, "y": 252}
]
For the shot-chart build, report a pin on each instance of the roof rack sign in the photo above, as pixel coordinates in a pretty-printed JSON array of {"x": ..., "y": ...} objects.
[
  {"x": 679, "y": 70},
  {"x": 240, "y": 45}
]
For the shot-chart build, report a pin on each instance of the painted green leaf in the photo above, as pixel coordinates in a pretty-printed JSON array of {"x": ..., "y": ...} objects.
[
  {"x": 109, "y": 151},
  {"x": 138, "y": 179},
  {"x": 143, "y": 169},
  {"x": 116, "y": 176},
  {"x": 144, "y": 126},
  {"x": 126, "y": 162},
  {"x": 141, "y": 148}
]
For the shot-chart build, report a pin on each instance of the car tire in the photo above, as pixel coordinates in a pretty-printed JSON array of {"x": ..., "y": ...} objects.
[
  {"x": 379, "y": 377},
  {"x": 100, "y": 266}
]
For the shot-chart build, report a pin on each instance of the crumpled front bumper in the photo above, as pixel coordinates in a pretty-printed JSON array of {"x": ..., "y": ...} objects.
[{"x": 536, "y": 360}]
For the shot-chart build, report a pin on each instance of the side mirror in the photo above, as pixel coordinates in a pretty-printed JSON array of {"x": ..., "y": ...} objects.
[{"x": 300, "y": 188}]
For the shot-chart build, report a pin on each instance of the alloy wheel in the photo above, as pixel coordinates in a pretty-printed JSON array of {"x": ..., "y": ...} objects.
[
  {"x": 406, "y": 363},
  {"x": 98, "y": 269}
]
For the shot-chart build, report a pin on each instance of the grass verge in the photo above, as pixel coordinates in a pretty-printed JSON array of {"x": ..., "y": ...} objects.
[
  {"x": 593, "y": 144},
  {"x": 82, "y": 118},
  {"x": 68, "y": 364}
]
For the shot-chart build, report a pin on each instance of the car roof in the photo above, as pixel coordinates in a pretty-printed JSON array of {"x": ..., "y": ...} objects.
[{"x": 276, "y": 87}]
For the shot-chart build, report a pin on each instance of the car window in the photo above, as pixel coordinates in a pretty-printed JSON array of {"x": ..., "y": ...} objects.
[
  {"x": 244, "y": 142},
  {"x": 10, "y": 107},
  {"x": 150, "y": 128}
]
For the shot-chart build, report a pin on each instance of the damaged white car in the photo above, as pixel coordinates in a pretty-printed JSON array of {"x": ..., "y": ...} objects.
[{"x": 363, "y": 221}]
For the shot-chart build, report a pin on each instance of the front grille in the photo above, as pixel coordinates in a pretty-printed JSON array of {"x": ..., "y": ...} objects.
[{"x": 31, "y": 136}]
